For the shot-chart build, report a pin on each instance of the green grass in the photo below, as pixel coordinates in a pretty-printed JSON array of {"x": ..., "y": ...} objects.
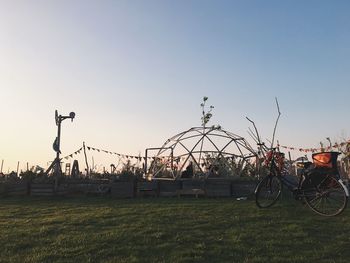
[{"x": 96, "y": 229}]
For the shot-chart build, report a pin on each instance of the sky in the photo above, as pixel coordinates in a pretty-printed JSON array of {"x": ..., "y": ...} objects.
[{"x": 135, "y": 72}]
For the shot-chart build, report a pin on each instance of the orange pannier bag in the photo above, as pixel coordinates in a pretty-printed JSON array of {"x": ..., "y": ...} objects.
[{"x": 325, "y": 159}]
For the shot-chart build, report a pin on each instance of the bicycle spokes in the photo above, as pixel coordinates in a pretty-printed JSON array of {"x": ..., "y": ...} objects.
[
  {"x": 268, "y": 191},
  {"x": 327, "y": 198}
]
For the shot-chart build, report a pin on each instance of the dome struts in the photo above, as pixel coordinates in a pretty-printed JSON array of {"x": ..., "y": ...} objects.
[{"x": 203, "y": 148}]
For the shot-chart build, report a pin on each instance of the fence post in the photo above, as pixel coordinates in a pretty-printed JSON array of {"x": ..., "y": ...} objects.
[
  {"x": 86, "y": 162},
  {"x": 17, "y": 167}
]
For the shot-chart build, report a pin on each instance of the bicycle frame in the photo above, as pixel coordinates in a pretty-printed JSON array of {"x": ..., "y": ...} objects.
[
  {"x": 326, "y": 197},
  {"x": 297, "y": 188}
]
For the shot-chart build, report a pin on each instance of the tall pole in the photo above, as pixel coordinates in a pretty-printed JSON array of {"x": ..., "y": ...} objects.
[
  {"x": 17, "y": 167},
  {"x": 93, "y": 164},
  {"x": 146, "y": 162},
  {"x": 172, "y": 159},
  {"x": 59, "y": 137},
  {"x": 2, "y": 165},
  {"x": 290, "y": 161},
  {"x": 86, "y": 162},
  {"x": 58, "y": 164}
]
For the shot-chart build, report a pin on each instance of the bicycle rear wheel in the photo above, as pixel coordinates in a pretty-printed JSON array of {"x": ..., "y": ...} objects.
[
  {"x": 327, "y": 198},
  {"x": 268, "y": 191}
]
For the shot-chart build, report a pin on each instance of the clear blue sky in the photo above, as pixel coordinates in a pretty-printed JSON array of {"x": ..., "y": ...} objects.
[{"x": 135, "y": 71}]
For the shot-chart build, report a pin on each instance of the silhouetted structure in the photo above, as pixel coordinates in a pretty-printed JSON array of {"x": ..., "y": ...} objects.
[
  {"x": 201, "y": 146},
  {"x": 56, "y": 164}
]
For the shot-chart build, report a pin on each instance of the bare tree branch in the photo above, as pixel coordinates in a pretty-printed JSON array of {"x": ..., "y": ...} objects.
[{"x": 278, "y": 117}]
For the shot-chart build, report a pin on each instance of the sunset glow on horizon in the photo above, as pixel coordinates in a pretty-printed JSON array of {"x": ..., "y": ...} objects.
[{"x": 135, "y": 72}]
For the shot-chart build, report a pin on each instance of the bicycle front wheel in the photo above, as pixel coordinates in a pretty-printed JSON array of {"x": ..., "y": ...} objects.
[
  {"x": 328, "y": 198},
  {"x": 268, "y": 191}
]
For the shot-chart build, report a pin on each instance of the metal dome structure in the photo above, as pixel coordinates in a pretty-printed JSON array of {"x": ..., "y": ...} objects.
[{"x": 201, "y": 152}]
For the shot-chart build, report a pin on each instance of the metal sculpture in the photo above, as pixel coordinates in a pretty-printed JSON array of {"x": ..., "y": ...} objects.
[
  {"x": 56, "y": 164},
  {"x": 201, "y": 151}
]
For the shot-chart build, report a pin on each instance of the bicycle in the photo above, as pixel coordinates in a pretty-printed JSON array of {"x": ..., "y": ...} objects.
[{"x": 319, "y": 184}]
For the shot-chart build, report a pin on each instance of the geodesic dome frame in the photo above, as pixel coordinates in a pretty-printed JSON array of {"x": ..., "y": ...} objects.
[{"x": 202, "y": 148}]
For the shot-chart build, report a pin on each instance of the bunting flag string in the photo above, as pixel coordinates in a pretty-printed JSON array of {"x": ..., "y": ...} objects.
[
  {"x": 71, "y": 155},
  {"x": 163, "y": 159},
  {"x": 119, "y": 154},
  {"x": 313, "y": 150}
]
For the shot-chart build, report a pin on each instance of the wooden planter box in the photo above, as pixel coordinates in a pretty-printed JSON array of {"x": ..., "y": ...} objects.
[
  {"x": 76, "y": 188},
  {"x": 188, "y": 184},
  {"x": 168, "y": 188},
  {"x": 147, "y": 188},
  {"x": 62, "y": 189},
  {"x": 101, "y": 188},
  {"x": 86, "y": 187},
  {"x": 42, "y": 189},
  {"x": 192, "y": 187},
  {"x": 20, "y": 188},
  {"x": 123, "y": 189},
  {"x": 2, "y": 189},
  {"x": 243, "y": 188},
  {"x": 218, "y": 188}
]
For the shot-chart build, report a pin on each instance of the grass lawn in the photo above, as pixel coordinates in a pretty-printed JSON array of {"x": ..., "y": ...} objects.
[{"x": 102, "y": 229}]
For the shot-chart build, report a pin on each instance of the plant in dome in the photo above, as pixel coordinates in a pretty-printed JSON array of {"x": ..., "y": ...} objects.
[
  {"x": 206, "y": 115},
  {"x": 205, "y": 150}
]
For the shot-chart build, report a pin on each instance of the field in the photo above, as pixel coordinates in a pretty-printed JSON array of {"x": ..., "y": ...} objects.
[{"x": 101, "y": 229}]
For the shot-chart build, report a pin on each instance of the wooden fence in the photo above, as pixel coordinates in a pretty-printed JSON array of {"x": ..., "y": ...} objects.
[
  {"x": 132, "y": 188},
  {"x": 19, "y": 188}
]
